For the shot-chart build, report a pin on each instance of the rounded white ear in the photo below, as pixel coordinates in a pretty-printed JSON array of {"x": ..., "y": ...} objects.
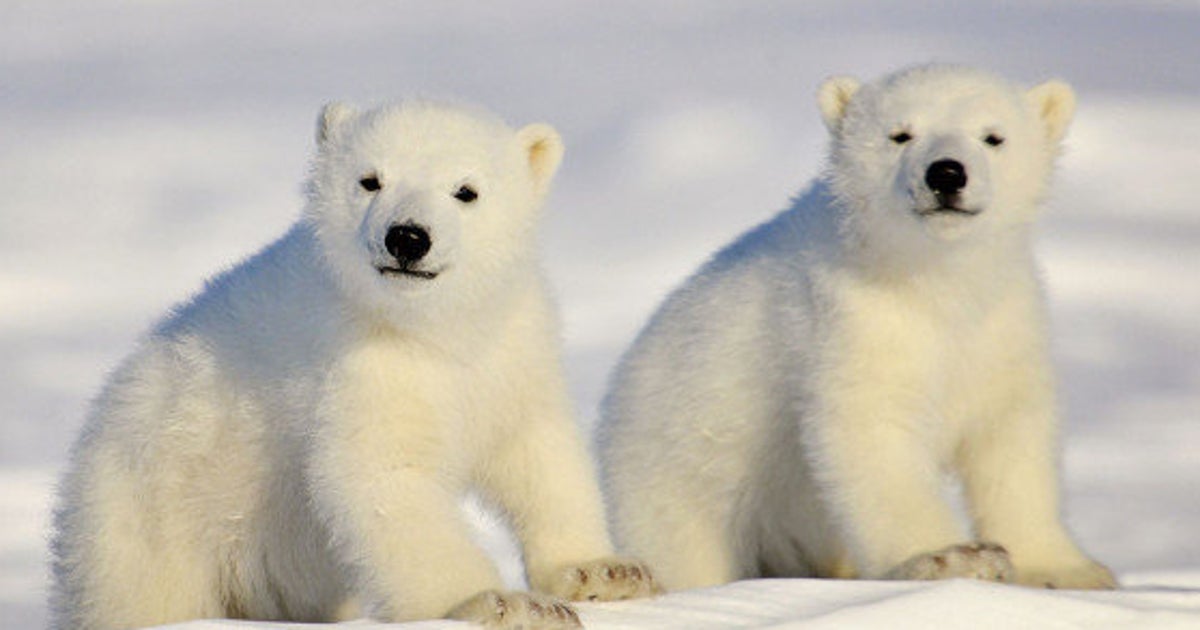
[
  {"x": 833, "y": 96},
  {"x": 543, "y": 149},
  {"x": 333, "y": 115},
  {"x": 1054, "y": 103}
]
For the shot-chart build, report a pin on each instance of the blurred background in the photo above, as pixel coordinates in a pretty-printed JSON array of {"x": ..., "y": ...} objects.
[{"x": 146, "y": 145}]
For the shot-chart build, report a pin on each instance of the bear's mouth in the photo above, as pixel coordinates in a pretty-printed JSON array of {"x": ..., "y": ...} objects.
[
  {"x": 948, "y": 210},
  {"x": 421, "y": 274}
]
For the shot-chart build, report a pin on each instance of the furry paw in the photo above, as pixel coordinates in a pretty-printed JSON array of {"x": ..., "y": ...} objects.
[
  {"x": 1090, "y": 575},
  {"x": 981, "y": 561},
  {"x": 607, "y": 579},
  {"x": 515, "y": 609}
]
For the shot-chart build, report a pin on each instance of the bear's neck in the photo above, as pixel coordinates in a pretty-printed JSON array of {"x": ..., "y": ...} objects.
[
  {"x": 901, "y": 251},
  {"x": 461, "y": 320},
  {"x": 1004, "y": 257}
]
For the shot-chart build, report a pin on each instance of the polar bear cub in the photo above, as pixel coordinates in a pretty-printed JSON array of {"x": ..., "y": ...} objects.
[
  {"x": 791, "y": 408},
  {"x": 298, "y": 436}
]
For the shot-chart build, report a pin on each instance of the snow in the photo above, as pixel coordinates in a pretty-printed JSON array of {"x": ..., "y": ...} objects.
[
  {"x": 816, "y": 604},
  {"x": 147, "y": 145}
]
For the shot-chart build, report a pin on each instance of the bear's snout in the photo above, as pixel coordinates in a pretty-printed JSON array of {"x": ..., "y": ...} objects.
[
  {"x": 407, "y": 243},
  {"x": 946, "y": 177}
]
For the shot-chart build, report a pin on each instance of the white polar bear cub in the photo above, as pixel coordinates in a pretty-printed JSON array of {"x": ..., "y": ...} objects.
[
  {"x": 791, "y": 409},
  {"x": 297, "y": 437}
]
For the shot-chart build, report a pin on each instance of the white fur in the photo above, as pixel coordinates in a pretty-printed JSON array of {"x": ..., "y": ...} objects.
[
  {"x": 792, "y": 408},
  {"x": 299, "y": 435}
]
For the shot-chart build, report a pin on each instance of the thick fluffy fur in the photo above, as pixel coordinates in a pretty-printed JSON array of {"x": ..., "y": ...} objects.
[
  {"x": 298, "y": 436},
  {"x": 791, "y": 409}
]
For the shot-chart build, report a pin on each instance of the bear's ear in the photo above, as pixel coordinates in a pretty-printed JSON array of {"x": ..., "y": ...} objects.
[
  {"x": 833, "y": 96},
  {"x": 543, "y": 148},
  {"x": 1054, "y": 103},
  {"x": 333, "y": 115}
]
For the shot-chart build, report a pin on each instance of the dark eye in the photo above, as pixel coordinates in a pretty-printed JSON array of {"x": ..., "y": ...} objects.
[
  {"x": 466, "y": 194},
  {"x": 993, "y": 140},
  {"x": 900, "y": 137},
  {"x": 370, "y": 183}
]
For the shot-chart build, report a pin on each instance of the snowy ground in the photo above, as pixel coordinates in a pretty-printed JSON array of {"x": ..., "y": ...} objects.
[{"x": 146, "y": 145}]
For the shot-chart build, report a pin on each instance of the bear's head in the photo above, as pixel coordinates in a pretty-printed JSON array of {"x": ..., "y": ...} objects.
[
  {"x": 941, "y": 152},
  {"x": 424, "y": 207}
]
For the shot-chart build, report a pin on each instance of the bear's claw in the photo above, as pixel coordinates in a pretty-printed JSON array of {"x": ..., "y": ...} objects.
[
  {"x": 978, "y": 560},
  {"x": 516, "y": 609},
  {"x": 607, "y": 579}
]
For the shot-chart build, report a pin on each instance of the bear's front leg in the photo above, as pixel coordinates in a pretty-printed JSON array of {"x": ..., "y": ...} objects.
[
  {"x": 402, "y": 537},
  {"x": 875, "y": 466},
  {"x": 1010, "y": 477},
  {"x": 380, "y": 471},
  {"x": 543, "y": 478}
]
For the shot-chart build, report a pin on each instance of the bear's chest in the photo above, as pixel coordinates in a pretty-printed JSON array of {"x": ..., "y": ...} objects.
[{"x": 952, "y": 357}]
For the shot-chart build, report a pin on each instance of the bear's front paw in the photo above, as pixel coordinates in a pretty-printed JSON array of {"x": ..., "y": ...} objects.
[
  {"x": 1089, "y": 575},
  {"x": 515, "y": 609},
  {"x": 981, "y": 561},
  {"x": 603, "y": 580}
]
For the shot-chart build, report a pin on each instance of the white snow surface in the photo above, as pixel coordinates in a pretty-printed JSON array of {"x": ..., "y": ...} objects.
[{"x": 144, "y": 146}]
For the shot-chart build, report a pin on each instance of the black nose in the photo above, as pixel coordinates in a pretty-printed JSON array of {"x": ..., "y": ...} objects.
[
  {"x": 946, "y": 177},
  {"x": 407, "y": 243}
]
